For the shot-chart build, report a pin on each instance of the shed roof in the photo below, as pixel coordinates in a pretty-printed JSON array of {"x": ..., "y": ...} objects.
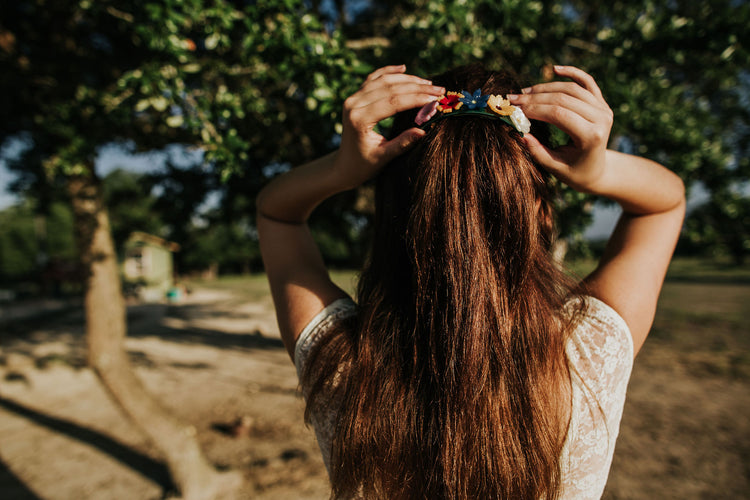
[{"x": 138, "y": 236}]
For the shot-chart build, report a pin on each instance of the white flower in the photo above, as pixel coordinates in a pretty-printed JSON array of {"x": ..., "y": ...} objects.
[{"x": 520, "y": 121}]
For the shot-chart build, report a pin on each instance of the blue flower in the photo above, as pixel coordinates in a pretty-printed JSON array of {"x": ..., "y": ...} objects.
[{"x": 475, "y": 100}]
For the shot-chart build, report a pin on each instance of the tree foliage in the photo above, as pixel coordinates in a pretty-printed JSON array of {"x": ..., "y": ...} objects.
[
  {"x": 674, "y": 72},
  {"x": 260, "y": 84},
  {"x": 721, "y": 227},
  {"x": 28, "y": 242},
  {"x": 247, "y": 82}
]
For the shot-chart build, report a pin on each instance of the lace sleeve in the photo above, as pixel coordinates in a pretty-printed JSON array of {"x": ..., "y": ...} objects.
[
  {"x": 600, "y": 356},
  {"x": 316, "y": 330},
  {"x": 323, "y": 416}
]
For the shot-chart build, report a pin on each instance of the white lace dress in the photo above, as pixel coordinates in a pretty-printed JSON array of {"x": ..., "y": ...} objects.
[{"x": 600, "y": 358}]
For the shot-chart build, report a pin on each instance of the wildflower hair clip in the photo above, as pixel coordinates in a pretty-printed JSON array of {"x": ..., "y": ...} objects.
[{"x": 464, "y": 103}]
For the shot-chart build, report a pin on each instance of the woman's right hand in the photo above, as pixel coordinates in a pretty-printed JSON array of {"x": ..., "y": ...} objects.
[
  {"x": 385, "y": 92},
  {"x": 579, "y": 110}
]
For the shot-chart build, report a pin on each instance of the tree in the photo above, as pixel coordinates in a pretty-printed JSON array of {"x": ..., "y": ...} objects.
[
  {"x": 674, "y": 72},
  {"x": 232, "y": 77},
  {"x": 130, "y": 205},
  {"x": 18, "y": 243},
  {"x": 722, "y": 226},
  {"x": 31, "y": 241},
  {"x": 257, "y": 85}
]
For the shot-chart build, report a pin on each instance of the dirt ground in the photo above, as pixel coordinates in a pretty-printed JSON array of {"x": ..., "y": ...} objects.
[{"x": 216, "y": 358}]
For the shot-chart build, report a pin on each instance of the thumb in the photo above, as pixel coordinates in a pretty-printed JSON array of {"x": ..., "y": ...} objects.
[
  {"x": 402, "y": 143},
  {"x": 543, "y": 155}
]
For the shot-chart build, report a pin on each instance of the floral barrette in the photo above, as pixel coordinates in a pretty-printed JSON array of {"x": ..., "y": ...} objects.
[{"x": 464, "y": 103}]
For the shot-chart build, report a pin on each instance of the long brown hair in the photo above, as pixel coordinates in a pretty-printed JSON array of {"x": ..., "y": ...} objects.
[{"x": 449, "y": 382}]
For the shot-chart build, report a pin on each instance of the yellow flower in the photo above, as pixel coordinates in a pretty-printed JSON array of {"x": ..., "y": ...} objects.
[{"x": 500, "y": 105}]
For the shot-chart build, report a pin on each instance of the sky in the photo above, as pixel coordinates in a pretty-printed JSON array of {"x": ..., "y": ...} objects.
[{"x": 110, "y": 157}]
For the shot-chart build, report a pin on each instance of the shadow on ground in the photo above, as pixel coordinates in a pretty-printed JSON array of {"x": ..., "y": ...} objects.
[
  {"x": 139, "y": 325},
  {"x": 140, "y": 463},
  {"x": 12, "y": 487},
  {"x": 24, "y": 336}
]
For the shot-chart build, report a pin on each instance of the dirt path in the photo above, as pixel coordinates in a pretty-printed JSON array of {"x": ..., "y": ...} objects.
[
  {"x": 217, "y": 358},
  {"x": 212, "y": 360}
]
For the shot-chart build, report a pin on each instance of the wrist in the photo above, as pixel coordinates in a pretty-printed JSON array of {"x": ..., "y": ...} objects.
[
  {"x": 599, "y": 179},
  {"x": 349, "y": 170},
  {"x": 337, "y": 170},
  {"x": 291, "y": 197}
]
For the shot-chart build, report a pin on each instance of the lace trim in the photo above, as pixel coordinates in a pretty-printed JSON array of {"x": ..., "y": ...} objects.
[
  {"x": 314, "y": 332},
  {"x": 600, "y": 357}
]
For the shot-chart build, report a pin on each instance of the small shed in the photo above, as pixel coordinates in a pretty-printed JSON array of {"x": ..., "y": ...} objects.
[{"x": 148, "y": 269}]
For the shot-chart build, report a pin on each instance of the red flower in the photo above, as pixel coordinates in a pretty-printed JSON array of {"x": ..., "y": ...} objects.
[
  {"x": 190, "y": 45},
  {"x": 449, "y": 102}
]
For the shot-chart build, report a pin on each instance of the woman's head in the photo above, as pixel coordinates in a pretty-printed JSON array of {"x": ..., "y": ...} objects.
[
  {"x": 457, "y": 352},
  {"x": 469, "y": 180}
]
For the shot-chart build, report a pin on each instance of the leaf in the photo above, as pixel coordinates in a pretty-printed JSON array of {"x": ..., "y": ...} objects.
[{"x": 175, "y": 121}]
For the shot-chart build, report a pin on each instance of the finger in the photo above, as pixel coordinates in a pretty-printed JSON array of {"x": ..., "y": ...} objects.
[
  {"x": 544, "y": 156},
  {"x": 570, "y": 88},
  {"x": 402, "y": 143},
  {"x": 577, "y": 127},
  {"x": 380, "y": 109},
  {"x": 581, "y": 77},
  {"x": 364, "y": 95},
  {"x": 394, "y": 78},
  {"x": 386, "y": 91},
  {"x": 399, "y": 68},
  {"x": 590, "y": 112}
]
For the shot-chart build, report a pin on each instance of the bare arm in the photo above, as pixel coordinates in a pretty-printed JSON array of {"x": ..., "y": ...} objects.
[
  {"x": 631, "y": 272},
  {"x": 630, "y": 275},
  {"x": 299, "y": 280}
]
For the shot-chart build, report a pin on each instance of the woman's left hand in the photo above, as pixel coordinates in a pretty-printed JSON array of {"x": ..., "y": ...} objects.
[
  {"x": 579, "y": 109},
  {"x": 385, "y": 92}
]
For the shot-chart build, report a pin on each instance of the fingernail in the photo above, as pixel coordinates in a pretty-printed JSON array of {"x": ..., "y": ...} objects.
[
  {"x": 558, "y": 67},
  {"x": 527, "y": 90},
  {"x": 513, "y": 97}
]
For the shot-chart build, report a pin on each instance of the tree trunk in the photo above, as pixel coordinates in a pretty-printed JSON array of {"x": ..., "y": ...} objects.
[
  {"x": 559, "y": 250},
  {"x": 192, "y": 474}
]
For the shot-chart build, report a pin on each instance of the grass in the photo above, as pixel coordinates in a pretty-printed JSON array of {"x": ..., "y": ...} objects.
[
  {"x": 246, "y": 286},
  {"x": 688, "y": 269},
  {"x": 698, "y": 295},
  {"x": 255, "y": 286},
  {"x": 698, "y": 290}
]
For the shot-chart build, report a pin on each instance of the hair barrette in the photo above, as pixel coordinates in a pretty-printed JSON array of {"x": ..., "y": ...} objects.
[{"x": 465, "y": 103}]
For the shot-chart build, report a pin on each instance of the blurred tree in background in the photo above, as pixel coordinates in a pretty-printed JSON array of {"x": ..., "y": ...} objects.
[
  {"x": 257, "y": 87},
  {"x": 131, "y": 205},
  {"x": 674, "y": 72},
  {"x": 247, "y": 82},
  {"x": 26, "y": 241}
]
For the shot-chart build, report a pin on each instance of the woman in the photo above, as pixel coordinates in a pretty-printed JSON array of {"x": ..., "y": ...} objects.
[{"x": 471, "y": 367}]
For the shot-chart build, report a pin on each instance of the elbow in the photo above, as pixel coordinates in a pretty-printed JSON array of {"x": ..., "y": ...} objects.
[
  {"x": 674, "y": 195},
  {"x": 681, "y": 188},
  {"x": 264, "y": 205},
  {"x": 681, "y": 197}
]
